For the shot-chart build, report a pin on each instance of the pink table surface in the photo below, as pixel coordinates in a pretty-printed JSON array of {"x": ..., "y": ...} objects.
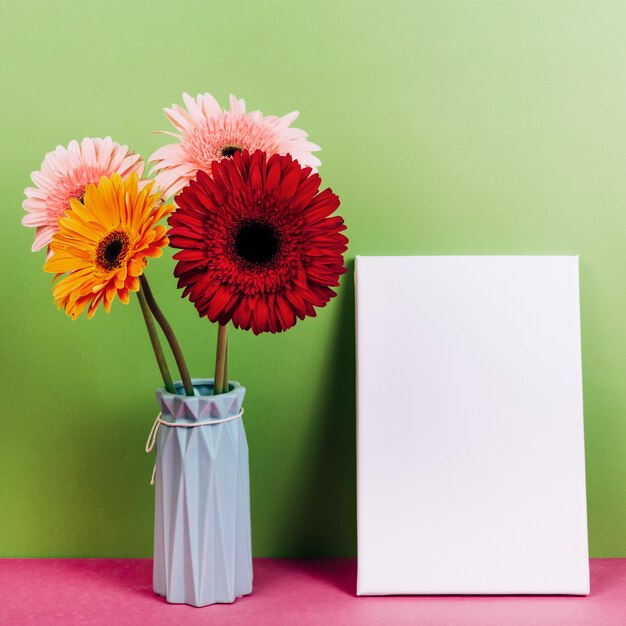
[{"x": 286, "y": 591}]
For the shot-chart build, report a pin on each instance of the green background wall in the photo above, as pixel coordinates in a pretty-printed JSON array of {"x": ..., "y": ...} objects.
[{"x": 446, "y": 128}]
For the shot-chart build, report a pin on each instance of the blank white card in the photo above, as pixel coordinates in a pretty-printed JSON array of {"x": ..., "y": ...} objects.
[{"x": 471, "y": 475}]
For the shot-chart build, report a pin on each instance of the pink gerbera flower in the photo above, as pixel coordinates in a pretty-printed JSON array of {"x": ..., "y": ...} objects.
[
  {"x": 65, "y": 173},
  {"x": 208, "y": 133}
]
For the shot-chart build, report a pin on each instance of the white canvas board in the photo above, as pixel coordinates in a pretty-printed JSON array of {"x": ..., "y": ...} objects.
[{"x": 470, "y": 449}]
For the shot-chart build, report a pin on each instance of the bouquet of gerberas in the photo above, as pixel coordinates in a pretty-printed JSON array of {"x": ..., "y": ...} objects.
[{"x": 258, "y": 247}]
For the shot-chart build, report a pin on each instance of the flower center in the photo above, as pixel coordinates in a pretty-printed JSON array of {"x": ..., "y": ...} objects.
[
  {"x": 77, "y": 193},
  {"x": 256, "y": 243},
  {"x": 112, "y": 250},
  {"x": 229, "y": 151}
]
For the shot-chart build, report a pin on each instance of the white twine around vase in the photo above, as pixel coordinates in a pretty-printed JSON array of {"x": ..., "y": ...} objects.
[{"x": 152, "y": 437}]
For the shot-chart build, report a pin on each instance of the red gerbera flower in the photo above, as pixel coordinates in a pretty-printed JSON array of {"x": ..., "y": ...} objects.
[{"x": 258, "y": 243}]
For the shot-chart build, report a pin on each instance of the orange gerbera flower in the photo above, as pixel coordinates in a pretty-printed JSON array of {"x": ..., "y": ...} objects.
[{"x": 104, "y": 242}]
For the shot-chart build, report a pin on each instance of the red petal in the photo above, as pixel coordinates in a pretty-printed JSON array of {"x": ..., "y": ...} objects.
[{"x": 289, "y": 183}]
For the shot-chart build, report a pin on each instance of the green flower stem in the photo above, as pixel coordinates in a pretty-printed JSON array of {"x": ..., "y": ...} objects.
[
  {"x": 220, "y": 359},
  {"x": 226, "y": 368},
  {"x": 156, "y": 344},
  {"x": 169, "y": 335}
]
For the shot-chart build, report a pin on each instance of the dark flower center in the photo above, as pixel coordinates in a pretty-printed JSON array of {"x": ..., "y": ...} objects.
[
  {"x": 229, "y": 151},
  {"x": 112, "y": 250},
  {"x": 78, "y": 194},
  {"x": 256, "y": 243}
]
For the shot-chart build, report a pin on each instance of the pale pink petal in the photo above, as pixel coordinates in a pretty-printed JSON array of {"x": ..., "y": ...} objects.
[
  {"x": 167, "y": 132},
  {"x": 170, "y": 182},
  {"x": 179, "y": 118},
  {"x": 192, "y": 106},
  {"x": 132, "y": 163},
  {"x": 36, "y": 218},
  {"x": 33, "y": 192},
  {"x": 170, "y": 151},
  {"x": 73, "y": 152},
  {"x": 210, "y": 106},
  {"x": 88, "y": 151},
  {"x": 40, "y": 180},
  {"x": 43, "y": 235},
  {"x": 290, "y": 117},
  {"x": 104, "y": 149},
  {"x": 237, "y": 107}
]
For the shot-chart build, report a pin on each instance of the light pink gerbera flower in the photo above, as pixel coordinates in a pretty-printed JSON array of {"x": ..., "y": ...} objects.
[
  {"x": 208, "y": 133},
  {"x": 64, "y": 174}
]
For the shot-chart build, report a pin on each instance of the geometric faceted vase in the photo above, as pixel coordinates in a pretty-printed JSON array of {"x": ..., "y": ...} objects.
[{"x": 202, "y": 544}]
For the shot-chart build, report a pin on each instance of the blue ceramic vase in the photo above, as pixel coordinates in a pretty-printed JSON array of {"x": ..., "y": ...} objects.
[{"x": 202, "y": 547}]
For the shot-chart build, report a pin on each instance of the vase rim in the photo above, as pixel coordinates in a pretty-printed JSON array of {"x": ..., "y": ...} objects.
[{"x": 233, "y": 385}]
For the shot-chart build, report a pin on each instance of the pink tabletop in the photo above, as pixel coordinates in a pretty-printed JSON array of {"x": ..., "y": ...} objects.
[{"x": 119, "y": 591}]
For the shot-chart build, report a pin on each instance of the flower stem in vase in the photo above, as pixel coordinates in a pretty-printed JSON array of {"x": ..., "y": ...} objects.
[
  {"x": 226, "y": 368},
  {"x": 168, "y": 331},
  {"x": 156, "y": 344},
  {"x": 220, "y": 359}
]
